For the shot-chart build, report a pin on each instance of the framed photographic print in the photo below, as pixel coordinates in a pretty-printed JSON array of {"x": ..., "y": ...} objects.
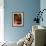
[{"x": 18, "y": 19}]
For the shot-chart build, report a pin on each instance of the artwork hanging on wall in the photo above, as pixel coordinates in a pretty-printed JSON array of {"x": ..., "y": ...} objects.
[{"x": 18, "y": 19}]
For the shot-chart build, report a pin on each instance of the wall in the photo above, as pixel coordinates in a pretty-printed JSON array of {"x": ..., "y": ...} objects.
[
  {"x": 43, "y": 6},
  {"x": 29, "y": 7}
]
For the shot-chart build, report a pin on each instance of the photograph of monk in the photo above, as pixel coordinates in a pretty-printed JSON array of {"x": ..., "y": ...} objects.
[{"x": 18, "y": 19}]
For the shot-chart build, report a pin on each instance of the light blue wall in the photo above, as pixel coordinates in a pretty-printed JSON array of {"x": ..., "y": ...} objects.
[
  {"x": 29, "y": 7},
  {"x": 43, "y": 6}
]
